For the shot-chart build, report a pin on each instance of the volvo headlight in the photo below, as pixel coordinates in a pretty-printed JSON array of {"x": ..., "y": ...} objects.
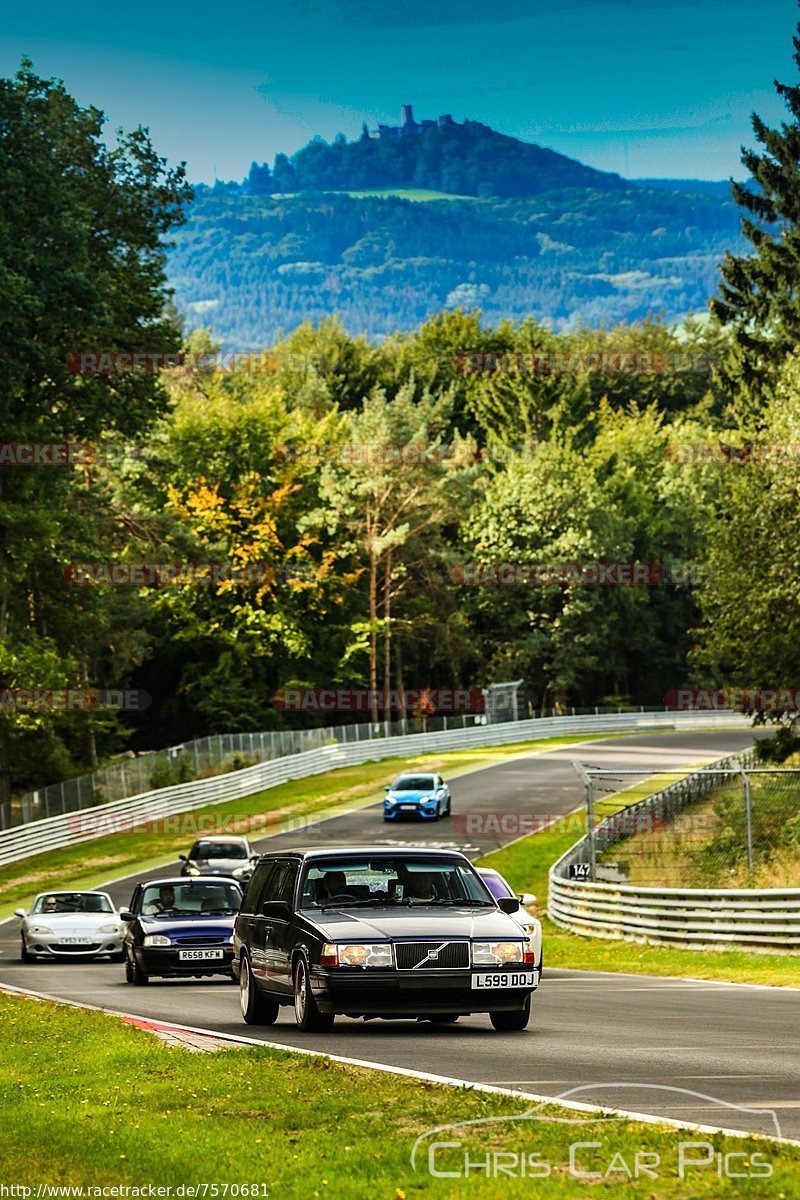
[
  {"x": 495, "y": 954},
  {"x": 359, "y": 954},
  {"x": 40, "y": 929},
  {"x": 156, "y": 939}
]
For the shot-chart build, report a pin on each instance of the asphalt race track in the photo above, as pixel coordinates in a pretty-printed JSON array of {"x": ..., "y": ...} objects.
[{"x": 623, "y": 1039}]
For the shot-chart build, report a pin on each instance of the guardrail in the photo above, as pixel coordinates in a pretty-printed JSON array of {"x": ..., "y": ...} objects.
[
  {"x": 699, "y": 918},
  {"x": 71, "y": 828}
]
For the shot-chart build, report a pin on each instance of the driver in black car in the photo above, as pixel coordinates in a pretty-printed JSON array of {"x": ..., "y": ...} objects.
[{"x": 332, "y": 884}]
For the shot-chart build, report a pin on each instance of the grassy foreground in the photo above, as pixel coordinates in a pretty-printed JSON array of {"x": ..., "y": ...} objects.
[
  {"x": 90, "y": 864},
  {"x": 107, "y": 1104},
  {"x": 526, "y": 864}
]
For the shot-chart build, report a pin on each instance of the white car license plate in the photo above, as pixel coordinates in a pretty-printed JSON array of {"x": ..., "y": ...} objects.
[
  {"x": 506, "y": 979},
  {"x": 194, "y": 955},
  {"x": 77, "y": 941},
  {"x": 408, "y": 808}
]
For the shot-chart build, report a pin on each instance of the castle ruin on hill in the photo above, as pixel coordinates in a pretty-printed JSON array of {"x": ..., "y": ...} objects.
[{"x": 408, "y": 125}]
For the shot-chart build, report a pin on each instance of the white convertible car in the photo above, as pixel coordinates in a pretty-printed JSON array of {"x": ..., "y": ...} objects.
[
  {"x": 64, "y": 925},
  {"x": 500, "y": 888}
]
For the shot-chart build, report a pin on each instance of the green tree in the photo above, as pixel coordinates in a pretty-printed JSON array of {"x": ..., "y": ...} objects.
[
  {"x": 750, "y": 635},
  {"x": 394, "y": 483},
  {"x": 759, "y": 294},
  {"x": 81, "y": 272}
]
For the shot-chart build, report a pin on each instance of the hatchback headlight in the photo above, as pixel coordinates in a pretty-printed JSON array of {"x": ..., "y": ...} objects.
[
  {"x": 237, "y": 871},
  {"x": 40, "y": 929},
  {"x": 109, "y": 929},
  {"x": 494, "y": 954},
  {"x": 192, "y": 870},
  {"x": 361, "y": 954},
  {"x": 156, "y": 939}
]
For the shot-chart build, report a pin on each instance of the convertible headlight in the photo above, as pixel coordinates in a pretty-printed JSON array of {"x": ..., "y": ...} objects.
[
  {"x": 109, "y": 929},
  {"x": 360, "y": 954},
  {"x": 40, "y": 929},
  {"x": 156, "y": 939},
  {"x": 493, "y": 954}
]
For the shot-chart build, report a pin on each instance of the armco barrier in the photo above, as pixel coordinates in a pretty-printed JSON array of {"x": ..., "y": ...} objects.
[
  {"x": 697, "y": 918},
  {"x": 69, "y": 829}
]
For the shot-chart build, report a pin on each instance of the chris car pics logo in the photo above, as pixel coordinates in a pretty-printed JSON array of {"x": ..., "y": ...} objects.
[{"x": 514, "y": 1147}]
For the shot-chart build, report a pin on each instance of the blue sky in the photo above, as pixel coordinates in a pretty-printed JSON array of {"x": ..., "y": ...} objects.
[{"x": 646, "y": 88}]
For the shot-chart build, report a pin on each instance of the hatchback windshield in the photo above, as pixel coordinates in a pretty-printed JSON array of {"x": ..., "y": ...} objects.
[
  {"x": 392, "y": 880},
  {"x": 414, "y": 783},
  {"x": 190, "y": 899},
  {"x": 73, "y": 902},
  {"x": 218, "y": 850}
]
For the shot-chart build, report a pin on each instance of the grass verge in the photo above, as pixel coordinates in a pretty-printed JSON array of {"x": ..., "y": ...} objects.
[
  {"x": 90, "y": 864},
  {"x": 526, "y": 864},
  {"x": 107, "y": 1104}
]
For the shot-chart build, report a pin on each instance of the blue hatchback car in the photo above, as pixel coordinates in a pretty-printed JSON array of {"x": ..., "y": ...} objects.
[
  {"x": 425, "y": 796},
  {"x": 179, "y": 927}
]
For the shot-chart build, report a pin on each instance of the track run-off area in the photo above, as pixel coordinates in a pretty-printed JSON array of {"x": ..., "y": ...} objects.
[{"x": 684, "y": 1049}]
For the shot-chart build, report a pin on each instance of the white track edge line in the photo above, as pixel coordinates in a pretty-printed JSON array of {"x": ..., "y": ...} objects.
[{"x": 409, "y": 1073}]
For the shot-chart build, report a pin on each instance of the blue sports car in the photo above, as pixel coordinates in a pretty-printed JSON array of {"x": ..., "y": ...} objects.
[
  {"x": 424, "y": 796},
  {"x": 179, "y": 927}
]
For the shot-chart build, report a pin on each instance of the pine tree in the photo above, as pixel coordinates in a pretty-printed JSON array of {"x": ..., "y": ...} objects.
[{"x": 760, "y": 291}]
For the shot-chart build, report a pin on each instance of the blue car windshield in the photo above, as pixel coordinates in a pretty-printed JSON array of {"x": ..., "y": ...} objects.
[
  {"x": 398, "y": 879},
  {"x": 191, "y": 899},
  {"x": 414, "y": 783}
]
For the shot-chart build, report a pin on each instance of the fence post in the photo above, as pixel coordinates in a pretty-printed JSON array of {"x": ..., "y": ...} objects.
[
  {"x": 587, "y": 779},
  {"x": 748, "y": 816}
]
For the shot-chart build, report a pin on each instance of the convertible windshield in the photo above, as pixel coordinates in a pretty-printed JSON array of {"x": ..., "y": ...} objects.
[
  {"x": 414, "y": 783},
  {"x": 73, "y": 902},
  {"x": 398, "y": 879},
  {"x": 190, "y": 899},
  {"x": 497, "y": 886},
  {"x": 218, "y": 850}
]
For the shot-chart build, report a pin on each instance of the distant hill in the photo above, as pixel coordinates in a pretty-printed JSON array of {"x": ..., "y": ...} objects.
[
  {"x": 510, "y": 228},
  {"x": 252, "y": 266},
  {"x": 697, "y": 187},
  {"x": 467, "y": 159}
]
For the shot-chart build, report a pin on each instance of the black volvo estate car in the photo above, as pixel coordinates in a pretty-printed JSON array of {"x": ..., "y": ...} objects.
[{"x": 379, "y": 933}]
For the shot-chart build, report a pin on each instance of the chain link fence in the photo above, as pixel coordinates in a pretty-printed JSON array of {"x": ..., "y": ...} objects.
[
  {"x": 733, "y": 825},
  {"x": 206, "y": 757}
]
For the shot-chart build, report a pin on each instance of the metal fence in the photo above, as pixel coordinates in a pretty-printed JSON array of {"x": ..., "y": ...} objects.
[
  {"x": 71, "y": 827},
  {"x": 205, "y": 757},
  {"x": 678, "y": 866},
  {"x": 201, "y": 758}
]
